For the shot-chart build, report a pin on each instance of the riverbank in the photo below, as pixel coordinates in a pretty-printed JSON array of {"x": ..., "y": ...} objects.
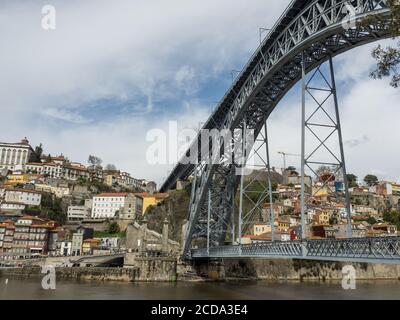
[
  {"x": 306, "y": 270},
  {"x": 223, "y": 270},
  {"x": 86, "y": 273}
]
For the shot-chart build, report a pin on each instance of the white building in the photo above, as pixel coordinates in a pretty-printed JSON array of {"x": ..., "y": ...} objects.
[
  {"x": 12, "y": 206},
  {"x": 52, "y": 170},
  {"x": 106, "y": 205},
  {"x": 24, "y": 196},
  {"x": 75, "y": 171},
  {"x": 14, "y": 155},
  {"x": 77, "y": 213}
]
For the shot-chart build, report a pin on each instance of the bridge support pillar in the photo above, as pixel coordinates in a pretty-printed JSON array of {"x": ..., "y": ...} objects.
[{"x": 321, "y": 130}]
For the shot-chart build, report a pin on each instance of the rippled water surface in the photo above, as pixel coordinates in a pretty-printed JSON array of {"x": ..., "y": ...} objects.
[{"x": 16, "y": 288}]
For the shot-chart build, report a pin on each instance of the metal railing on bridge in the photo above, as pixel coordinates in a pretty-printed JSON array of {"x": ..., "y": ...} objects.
[{"x": 374, "y": 250}]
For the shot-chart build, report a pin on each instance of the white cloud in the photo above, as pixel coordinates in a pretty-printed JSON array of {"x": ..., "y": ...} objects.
[
  {"x": 369, "y": 115},
  {"x": 152, "y": 59},
  {"x": 139, "y": 53}
]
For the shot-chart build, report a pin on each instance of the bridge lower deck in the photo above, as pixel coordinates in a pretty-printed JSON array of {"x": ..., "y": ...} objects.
[{"x": 370, "y": 250}]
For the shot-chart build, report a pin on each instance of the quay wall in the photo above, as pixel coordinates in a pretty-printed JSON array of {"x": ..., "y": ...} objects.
[
  {"x": 78, "y": 273},
  {"x": 162, "y": 269},
  {"x": 302, "y": 270}
]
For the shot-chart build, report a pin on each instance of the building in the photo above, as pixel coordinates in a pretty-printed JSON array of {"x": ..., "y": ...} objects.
[
  {"x": 89, "y": 245},
  {"x": 77, "y": 213},
  {"x": 76, "y": 243},
  {"x": 27, "y": 237},
  {"x": 15, "y": 155},
  {"x": 106, "y": 205},
  {"x": 259, "y": 229},
  {"x": 277, "y": 208},
  {"x": 7, "y": 229},
  {"x": 283, "y": 225},
  {"x": 78, "y": 238},
  {"x": 48, "y": 169},
  {"x": 11, "y": 207},
  {"x": 24, "y": 196},
  {"x": 75, "y": 171},
  {"x": 151, "y": 199},
  {"x": 14, "y": 179},
  {"x": 132, "y": 209},
  {"x": 322, "y": 216},
  {"x": 388, "y": 189},
  {"x": 388, "y": 229}
]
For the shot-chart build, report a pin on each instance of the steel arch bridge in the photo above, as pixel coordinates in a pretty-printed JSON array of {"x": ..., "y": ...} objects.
[{"x": 308, "y": 33}]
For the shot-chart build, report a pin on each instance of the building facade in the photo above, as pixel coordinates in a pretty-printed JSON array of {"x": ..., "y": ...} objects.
[
  {"x": 106, "y": 205},
  {"x": 14, "y": 155},
  {"x": 77, "y": 213},
  {"x": 23, "y": 196}
]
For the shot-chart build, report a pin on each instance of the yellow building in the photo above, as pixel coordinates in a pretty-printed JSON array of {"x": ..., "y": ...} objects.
[
  {"x": 13, "y": 179},
  {"x": 322, "y": 216},
  {"x": 283, "y": 225},
  {"x": 320, "y": 191},
  {"x": 110, "y": 180},
  {"x": 261, "y": 228},
  {"x": 151, "y": 199},
  {"x": 89, "y": 245}
]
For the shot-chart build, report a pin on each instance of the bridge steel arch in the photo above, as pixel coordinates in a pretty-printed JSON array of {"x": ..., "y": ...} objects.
[{"x": 314, "y": 29}]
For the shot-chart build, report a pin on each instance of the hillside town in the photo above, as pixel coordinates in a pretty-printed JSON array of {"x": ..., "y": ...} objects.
[
  {"x": 375, "y": 209},
  {"x": 51, "y": 206}
]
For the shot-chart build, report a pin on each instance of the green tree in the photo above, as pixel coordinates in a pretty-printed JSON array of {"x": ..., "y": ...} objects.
[
  {"x": 36, "y": 154},
  {"x": 371, "y": 180},
  {"x": 113, "y": 228},
  {"x": 371, "y": 220},
  {"x": 392, "y": 217},
  {"x": 352, "y": 180},
  {"x": 388, "y": 59}
]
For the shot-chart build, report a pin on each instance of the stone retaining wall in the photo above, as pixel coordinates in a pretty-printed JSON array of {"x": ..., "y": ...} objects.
[
  {"x": 280, "y": 269},
  {"x": 102, "y": 274}
]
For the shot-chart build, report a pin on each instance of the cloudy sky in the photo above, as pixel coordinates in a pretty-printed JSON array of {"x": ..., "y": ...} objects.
[{"x": 113, "y": 70}]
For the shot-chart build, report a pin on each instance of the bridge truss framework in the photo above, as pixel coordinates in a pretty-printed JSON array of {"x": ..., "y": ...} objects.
[{"x": 309, "y": 33}]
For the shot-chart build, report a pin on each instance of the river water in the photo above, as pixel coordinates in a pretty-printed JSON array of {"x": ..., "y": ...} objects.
[{"x": 16, "y": 288}]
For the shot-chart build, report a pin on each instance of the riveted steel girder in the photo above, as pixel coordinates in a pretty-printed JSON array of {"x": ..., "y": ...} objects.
[{"x": 311, "y": 29}]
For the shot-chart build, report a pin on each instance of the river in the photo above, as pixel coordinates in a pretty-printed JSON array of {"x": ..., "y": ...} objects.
[{"x": 16, "y": 288}]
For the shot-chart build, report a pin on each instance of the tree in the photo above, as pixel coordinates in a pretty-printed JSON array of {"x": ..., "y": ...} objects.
[
  {"x": 371, "y": 220},
  {"x": 111, "y": 167},
  {"x": 94, "y": 161},
  {"x": 113, "y": 228},
  {"x": 388, "y": 59},
  {"x": 392, "y": 217},
  {"x": 352, "y": 180},
  {"x": 36, "y": 155},
  {"x": 371, "y": 180}
]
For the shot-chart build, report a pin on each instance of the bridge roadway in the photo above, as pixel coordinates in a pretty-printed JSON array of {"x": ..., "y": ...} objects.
[{"x": 372, "y": 250}]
